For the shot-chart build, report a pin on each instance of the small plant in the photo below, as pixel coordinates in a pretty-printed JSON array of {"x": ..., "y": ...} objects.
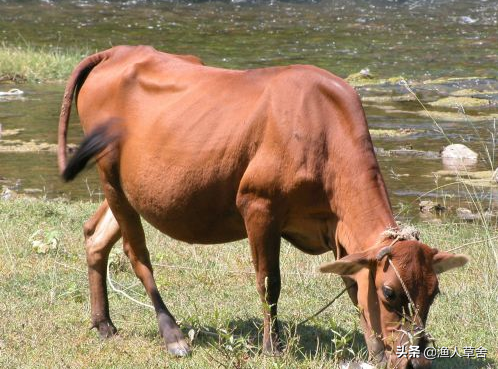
[
  {"x": 342, "y": 343},
  {"x": 43, "y": 242},
  {"x": 234, "y": 351},
  {"x": 118, "y": 262}
]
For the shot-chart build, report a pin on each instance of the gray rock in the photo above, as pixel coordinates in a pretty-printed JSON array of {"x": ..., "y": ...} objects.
[
  {"x": 8, "y": 194},
  {"x": 428, "y": 206},
  {"x": 468, "y": 215}
]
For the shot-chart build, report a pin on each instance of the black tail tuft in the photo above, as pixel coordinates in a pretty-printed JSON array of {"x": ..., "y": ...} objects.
[{"x": 92, "y": 145}]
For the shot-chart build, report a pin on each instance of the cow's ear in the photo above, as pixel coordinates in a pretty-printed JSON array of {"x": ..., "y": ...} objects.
[
  {"x": 444, "y": 261},
  {"x": 347, "y": 265}
]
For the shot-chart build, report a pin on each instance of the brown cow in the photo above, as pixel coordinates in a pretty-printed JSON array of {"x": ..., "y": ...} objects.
[{"x": 209, "y": 155}]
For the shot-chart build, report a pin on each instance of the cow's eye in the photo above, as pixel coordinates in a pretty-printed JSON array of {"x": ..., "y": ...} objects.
[{"x": 388, "y": 293}]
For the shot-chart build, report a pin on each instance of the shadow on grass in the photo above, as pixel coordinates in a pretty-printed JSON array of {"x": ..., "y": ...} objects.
[
  {"x": 305, "y": 340},
  {"x": 301, "y": 341}
]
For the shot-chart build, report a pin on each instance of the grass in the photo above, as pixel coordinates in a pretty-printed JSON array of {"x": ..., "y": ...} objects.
[
  {"x": 34, "y": 64},
  {"x": 44, "y": 305}
]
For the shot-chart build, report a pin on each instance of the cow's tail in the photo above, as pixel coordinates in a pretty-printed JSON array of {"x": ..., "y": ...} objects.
[
  {"x": 75, "y": 81},
  {"x": 94, "y": 143}
]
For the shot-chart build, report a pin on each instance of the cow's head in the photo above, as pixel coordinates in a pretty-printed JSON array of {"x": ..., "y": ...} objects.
[{"x": 387, "y": 279}]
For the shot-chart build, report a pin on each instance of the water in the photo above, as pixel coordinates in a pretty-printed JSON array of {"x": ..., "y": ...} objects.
[
  {"x": 412, "y": 38},
  {"x": 420, "y": 40}
]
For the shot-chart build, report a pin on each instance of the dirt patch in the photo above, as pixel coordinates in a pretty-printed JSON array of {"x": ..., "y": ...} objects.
[
  {"x": 29, "y": 146},
  {"x": 9, "y": 132}
]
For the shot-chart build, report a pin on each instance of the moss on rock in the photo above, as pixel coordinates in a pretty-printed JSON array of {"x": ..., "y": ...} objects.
[
  {"x": 457, "y": 101},
  {"x": 465, "y": 92},
  {"x": 482, "y": 178},
  {"x": 403, "y": 132},
  {"x": 456, "y": 117},
  {"x": 365, "y": 78},
  {"x": 388, "y": 99}
]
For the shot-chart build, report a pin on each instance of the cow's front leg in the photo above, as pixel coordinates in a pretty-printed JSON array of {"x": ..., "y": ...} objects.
[{"x": 263, "y": 232}]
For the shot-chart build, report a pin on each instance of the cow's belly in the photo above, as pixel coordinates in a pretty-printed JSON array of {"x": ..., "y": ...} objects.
[
  {"x": 196, "y": 228},
  {"x": 190, "y": 200}
]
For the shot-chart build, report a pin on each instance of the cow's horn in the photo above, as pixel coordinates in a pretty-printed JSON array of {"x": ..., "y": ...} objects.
[{"x": 383, "y": 252}]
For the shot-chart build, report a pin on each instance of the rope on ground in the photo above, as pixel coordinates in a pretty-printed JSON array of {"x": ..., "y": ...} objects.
[
  {"x": 229, "y": 271},
  {"x": 325, "y": 307},
  {"x": 121, "y": 292}
]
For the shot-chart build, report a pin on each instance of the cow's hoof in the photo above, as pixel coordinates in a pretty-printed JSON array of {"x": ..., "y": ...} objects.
[
  {"x": 178, "y": 348},
  {"x": 106, "y": 329}
]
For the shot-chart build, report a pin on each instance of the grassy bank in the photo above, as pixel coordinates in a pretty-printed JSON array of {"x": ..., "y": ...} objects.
[
  {"x": 44, "y": 305},
  {"x": 33, "y": 64}
]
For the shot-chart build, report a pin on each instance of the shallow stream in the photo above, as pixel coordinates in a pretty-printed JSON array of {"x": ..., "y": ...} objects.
[{"x": 439, "y": 47}]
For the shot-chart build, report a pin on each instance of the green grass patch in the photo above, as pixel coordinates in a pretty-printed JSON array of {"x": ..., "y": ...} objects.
[
  {"x": 45, "y": 313},
  {"x": 35, "y": 64}
]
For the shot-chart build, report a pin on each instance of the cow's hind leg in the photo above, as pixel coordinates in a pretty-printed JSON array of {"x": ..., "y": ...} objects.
[
  {"x": 136, "y": 250},
  {"x": 101, "y": 233},
  {"x": 263, "y": 231}
]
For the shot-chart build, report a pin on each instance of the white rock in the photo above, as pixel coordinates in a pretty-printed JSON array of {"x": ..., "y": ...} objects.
[
  {"x": 12, "y": 92},
  {"x": 458, "y": 151},
  {"x": 458, "y": 157},
  {"x": 365, "y": 71}
]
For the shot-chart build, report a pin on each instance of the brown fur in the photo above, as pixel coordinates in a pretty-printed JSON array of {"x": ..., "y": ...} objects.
[{"x": 209, "y": 155}]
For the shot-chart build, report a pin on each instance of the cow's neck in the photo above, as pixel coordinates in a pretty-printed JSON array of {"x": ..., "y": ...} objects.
[
  {"x": 360, "y": 202},
  {"x": 360, "y": 230}
]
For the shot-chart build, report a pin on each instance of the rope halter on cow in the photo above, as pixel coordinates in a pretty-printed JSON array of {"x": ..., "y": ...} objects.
[{"x": 403, "y": 233}]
